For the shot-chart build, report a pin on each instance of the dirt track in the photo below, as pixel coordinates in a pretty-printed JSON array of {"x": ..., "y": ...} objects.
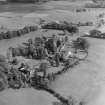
[{"x": 84, "y": 82}]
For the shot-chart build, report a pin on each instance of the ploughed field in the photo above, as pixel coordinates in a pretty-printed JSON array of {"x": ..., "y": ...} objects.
[{"x": 85, "y": 82}]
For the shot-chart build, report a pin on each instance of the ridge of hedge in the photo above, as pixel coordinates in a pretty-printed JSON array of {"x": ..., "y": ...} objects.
[{"x": 17, "y": 32}]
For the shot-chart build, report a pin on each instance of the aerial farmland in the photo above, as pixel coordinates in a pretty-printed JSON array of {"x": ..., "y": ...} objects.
[{"x": 74, "y": 76}]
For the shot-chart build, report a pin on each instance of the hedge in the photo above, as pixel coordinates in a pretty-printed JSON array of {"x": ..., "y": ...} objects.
[{"x": 17, "y": 33}]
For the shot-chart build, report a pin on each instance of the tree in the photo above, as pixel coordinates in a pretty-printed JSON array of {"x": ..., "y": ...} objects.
[
  {"x": 94, "y": 1},
  {"x": 3, "y": 69}
]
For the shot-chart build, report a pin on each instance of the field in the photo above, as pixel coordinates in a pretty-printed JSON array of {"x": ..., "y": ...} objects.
[{"x": 85, "y": 82}]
